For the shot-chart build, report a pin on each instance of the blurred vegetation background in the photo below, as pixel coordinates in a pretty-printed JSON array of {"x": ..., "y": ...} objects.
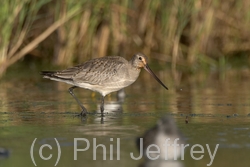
[{"x": 184, "y": 33}]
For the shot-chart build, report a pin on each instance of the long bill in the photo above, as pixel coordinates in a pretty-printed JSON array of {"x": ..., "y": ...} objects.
[{"x": 146, "y": 67}]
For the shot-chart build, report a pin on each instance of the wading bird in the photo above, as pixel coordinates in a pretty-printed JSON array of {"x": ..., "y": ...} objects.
[{"x": 104, "y": 75}]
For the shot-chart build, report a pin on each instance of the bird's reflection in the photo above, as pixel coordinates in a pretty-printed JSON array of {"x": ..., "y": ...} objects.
[
  {"x": 112, "y": 108},
  {"x": 166, "y": 136}
]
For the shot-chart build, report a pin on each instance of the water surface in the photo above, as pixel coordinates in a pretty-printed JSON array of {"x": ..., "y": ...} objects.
[{"x": 217, "y": 106}]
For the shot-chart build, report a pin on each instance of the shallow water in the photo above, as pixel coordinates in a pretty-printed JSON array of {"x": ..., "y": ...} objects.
[{"x": 217, "y": 106}]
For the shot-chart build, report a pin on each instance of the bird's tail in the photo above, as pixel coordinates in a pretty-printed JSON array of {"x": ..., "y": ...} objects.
[
  {"x": 48, "y": 74},
  {"x": 55, "y": 75}
]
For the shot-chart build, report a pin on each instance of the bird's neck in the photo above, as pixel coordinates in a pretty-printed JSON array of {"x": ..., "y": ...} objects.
[{"x": 131, "y": 62}]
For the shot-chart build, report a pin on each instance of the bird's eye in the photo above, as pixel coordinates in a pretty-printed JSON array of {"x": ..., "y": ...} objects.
[{"x": 140, "y": 58}]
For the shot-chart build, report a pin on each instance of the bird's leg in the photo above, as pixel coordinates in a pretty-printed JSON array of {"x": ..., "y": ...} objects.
[
  {"x": 102, "y": 105},
  {"x": 84, "y": 110}
]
